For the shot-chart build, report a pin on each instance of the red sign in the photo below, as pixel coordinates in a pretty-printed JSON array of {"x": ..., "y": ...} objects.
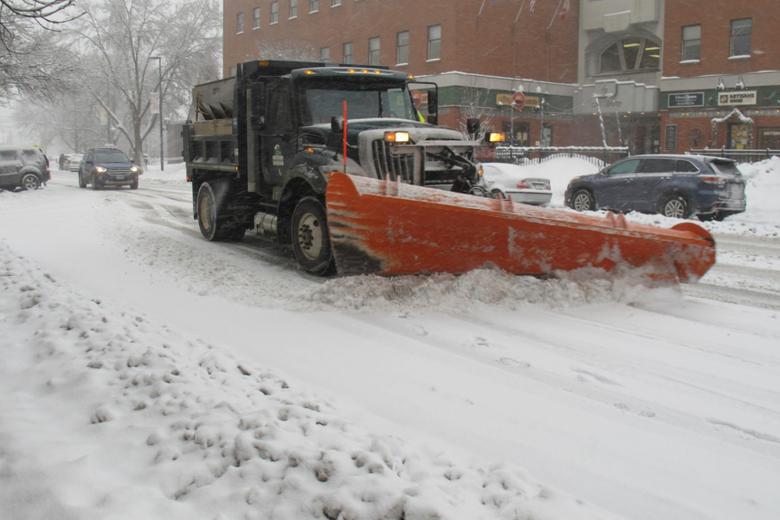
[{"x": 518, "y": 100}]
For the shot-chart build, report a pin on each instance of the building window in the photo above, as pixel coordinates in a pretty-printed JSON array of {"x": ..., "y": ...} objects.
[
  {"x": 434, "y": 42},
  {"x": 347, "y": 53},
  {"x": 293, "y": 8},
  {"x": 335, "y": 3},
  {"x": 256, "y": 18},
  {"x": 239, "y": 23},
  {"x": 631, "y": 55},
  {"x": 691, "y": 44},
  {"x": 314, "y": 6},
  {"x": 373, "y": 51},
  {"x": 402, "y": 48},
  {"x": 275, "y": 11},
  {"x": 325, "y": 54},
  {"x": 741, "y": 37},
  {"x": 671, "y": 138}
]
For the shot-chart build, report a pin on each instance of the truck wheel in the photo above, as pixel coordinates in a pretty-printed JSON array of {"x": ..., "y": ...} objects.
[
  {"x": 210, "y": 205},
  {"x": 94, "y": 182},
  {"x": 310, "y": 238},
  {"x": 82, "y": 182}
]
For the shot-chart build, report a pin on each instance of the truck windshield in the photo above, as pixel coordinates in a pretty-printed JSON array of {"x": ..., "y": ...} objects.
[{"x": 323, "y": 103}]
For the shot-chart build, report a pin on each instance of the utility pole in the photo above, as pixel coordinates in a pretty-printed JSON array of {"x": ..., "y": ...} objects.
[{"x": 160, "y": 115}]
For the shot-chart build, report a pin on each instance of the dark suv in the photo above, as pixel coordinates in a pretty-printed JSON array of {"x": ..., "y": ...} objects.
[
  {"x": 107, "y": 167},
  {"x": 673, "y": 185},
  {"x": 26, "y": 168}
]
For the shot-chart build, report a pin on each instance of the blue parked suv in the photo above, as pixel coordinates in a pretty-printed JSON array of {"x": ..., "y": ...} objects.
[
  {"x": 673, "y": 185},
  {"x": 102, "y": 167}
]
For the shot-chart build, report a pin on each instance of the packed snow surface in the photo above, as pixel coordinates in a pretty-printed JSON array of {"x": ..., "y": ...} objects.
[{"x": 148, "y": 373}]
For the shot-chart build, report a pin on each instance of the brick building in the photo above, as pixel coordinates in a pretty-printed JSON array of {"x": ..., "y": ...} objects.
[
  {"x": 620, "y": 72},
  {"x": 721, "y": 85},
  {"x": 493, "y": 41}
]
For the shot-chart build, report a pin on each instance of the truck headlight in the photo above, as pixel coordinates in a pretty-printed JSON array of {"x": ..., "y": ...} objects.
[
  {"x": 397, "y": 137},
  {"x": 134, "y": 169},
  {"x": 100, "y": 169}
]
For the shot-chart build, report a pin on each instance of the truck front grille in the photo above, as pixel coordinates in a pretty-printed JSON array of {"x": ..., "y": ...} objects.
[{"x": 391, "y": 166}]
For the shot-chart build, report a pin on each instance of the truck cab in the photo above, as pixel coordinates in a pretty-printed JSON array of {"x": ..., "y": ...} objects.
[{"x": 266, "y": 140}]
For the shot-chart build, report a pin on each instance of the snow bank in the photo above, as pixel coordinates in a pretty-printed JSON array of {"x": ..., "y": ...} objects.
[
  {"x": 560, "y": 171},
  {"x": 130, "y": 419}
]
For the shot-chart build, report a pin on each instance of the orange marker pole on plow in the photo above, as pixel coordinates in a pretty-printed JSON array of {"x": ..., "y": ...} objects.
[{"x": 344, "y": 133}]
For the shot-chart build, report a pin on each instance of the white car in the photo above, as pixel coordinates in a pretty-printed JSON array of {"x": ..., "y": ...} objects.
[{"x": 509, "y": 181}]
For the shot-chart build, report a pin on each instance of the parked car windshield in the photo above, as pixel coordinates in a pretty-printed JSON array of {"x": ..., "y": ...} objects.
[
  {"x": 110, "y": 156},
  {"x": 322, "y": 103}
]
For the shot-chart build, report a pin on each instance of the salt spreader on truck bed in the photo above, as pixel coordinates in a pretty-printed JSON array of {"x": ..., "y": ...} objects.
[{"x": 266, "y": 152}]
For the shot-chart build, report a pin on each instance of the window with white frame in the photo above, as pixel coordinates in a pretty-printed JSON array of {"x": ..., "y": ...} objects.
[
  {"x": 314, "y": 6},
  {"x": 434, "y": 42},
  {"x": 691, "y": 43},
  {"x": 347, "y": 53},
  {"x": 374, "y": 57},
  {"x": 293, "y": 8},
  {"x": 325, "y": 54},
  {"x": 256, "y": 18},
  {"x": 239, "y": 23},
  {"x": 402, "y": 48},
  {"x": 335, "y": 3},
  {"x": 741, "y": 37},
  {"x": 275, "y": 11}
]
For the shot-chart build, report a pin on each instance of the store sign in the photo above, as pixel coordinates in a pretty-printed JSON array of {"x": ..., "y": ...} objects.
[
  {"x": 506, "y": 100},
  {"x": 742, "y": 97},
  {"x": 686, "y": 99}
]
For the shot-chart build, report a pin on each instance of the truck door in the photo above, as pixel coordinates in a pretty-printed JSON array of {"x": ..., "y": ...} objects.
[{"x": 277, "y": 138}]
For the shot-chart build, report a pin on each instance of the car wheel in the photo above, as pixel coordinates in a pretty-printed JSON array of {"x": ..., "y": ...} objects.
[
  {"x": 310, "y": 238},
  {"x": 82, "y": 182},
  {"x": 134, "y": 185},
  {"x": 582, "y": 200},
  {"x": 30, "y": 181},
  {"x": 94, "y": 182},
  {"x": 675, "y": 206}
]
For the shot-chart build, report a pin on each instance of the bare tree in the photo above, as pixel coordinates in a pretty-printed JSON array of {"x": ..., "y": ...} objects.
[
  {"x": 126, "y": 35},
  {"x": 30, "y": 60}
]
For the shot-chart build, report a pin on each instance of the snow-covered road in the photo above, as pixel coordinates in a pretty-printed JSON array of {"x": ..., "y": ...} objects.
[{"x": 640, "y": 403}]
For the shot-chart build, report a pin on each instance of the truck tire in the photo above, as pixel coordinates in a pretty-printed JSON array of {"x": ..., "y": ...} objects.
[
  {"x": 310, "y": 238},
  {"x": 211, "y": 217},
  {"x": 82, "y": 182}
]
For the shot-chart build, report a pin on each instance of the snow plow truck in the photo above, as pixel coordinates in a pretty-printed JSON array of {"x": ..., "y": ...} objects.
[{"x": 337, "y": 162}]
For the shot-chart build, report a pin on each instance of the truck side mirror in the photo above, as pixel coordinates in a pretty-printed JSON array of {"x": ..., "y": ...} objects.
[
  {"x": 433, "y": 107},
  {"x": 335, "y": 126},
  {"x": 472, "y": 125}
]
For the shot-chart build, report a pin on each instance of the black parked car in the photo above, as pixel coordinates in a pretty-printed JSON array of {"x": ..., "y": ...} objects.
[
  {"x": 673, "y": 185},
  {"x": 107, "y": 167},
  {"x": 26, "y": 168}
]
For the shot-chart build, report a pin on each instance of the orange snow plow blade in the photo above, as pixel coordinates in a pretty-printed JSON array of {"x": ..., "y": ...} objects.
[{"x": 391, "y": 228}]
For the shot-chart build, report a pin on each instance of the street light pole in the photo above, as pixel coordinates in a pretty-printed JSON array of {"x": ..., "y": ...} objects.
[{"x": 160, "y": 115}]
